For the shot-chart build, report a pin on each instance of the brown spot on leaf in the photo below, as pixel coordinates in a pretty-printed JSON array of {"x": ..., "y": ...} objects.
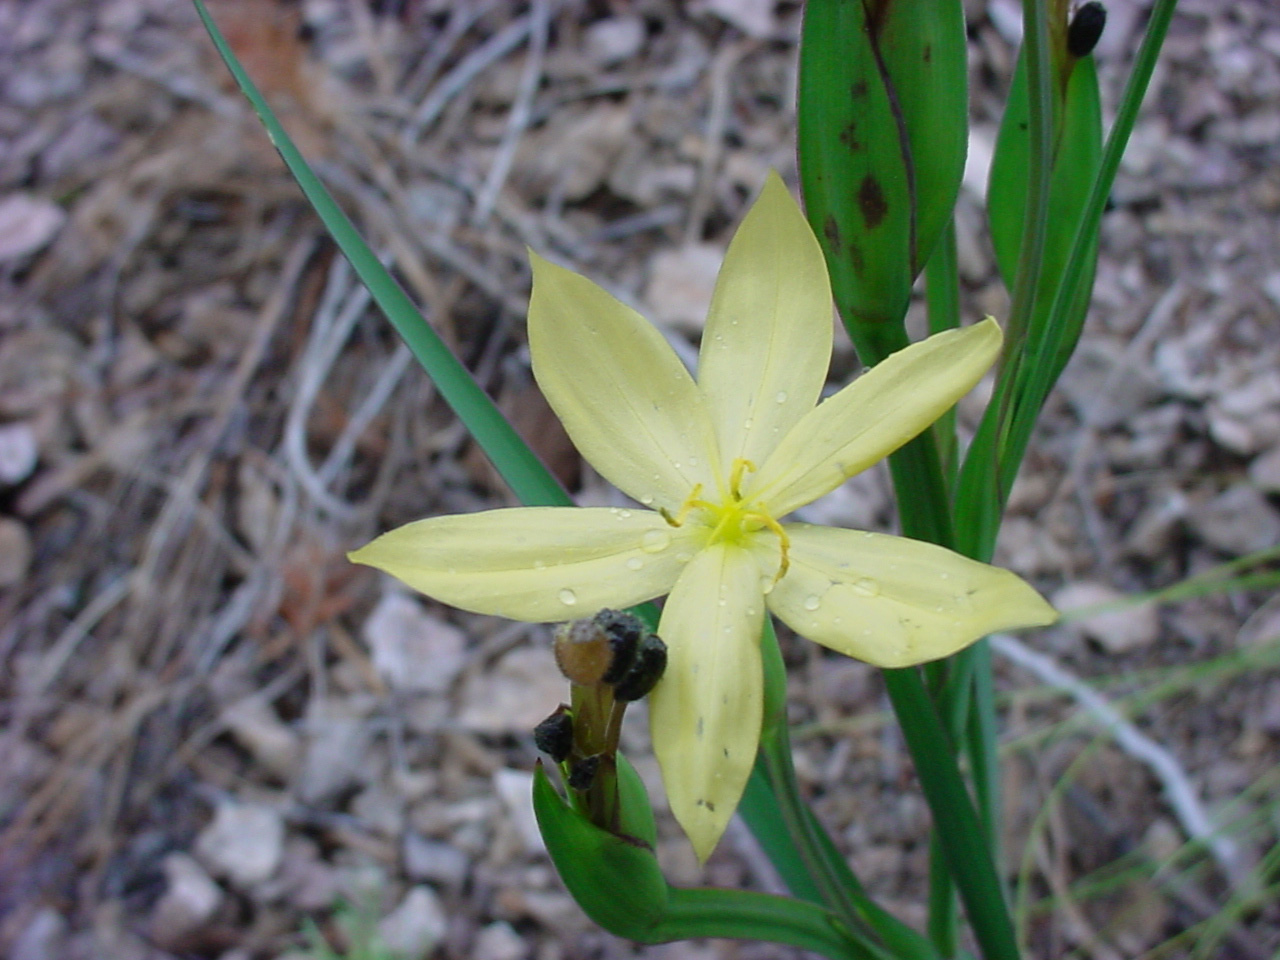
[
  {"x": 831, "y": 230},
  {"x": 849, "y": 137},
  {"x": 858, "y": 90},
  {"x": 871, "y": 202},
  {"x": 856, "y": 259},
  {"x": 928, "y": 53}
]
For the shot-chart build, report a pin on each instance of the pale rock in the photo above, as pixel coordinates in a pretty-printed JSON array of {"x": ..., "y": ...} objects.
[
  {"x": 1264, "y": 471},
  {"x": 753, "y": 17},
  {"x": 1150, "y": 534},
  {"x": 305, "y": 879},
  {"x": 415, "y": 928},
  {"x": 515, "y": 789},
  {"x": 1271, "y": 287},
  {"x": 681, "y": 283},
  {"x": 337, "y": 746},
  {"x": 441, "y": 863},
  {"x": 977, "y": 163},
  {"x": 411, "y": 649},
  {"x": 499, "y": 941},
  {"x": 18, "y": 452},
  {"x": 1117, "y": 631},
  {"x": 27, "y": 224},
  {"x": 1025, "y": 547},
  {"x": 254, "y": 724},
  {"x": 380, "y": 810},
  {"x": 1237, "y": 521},
  {"x": 15, "y": 552},
  {"x": 516, "y": 695},
  {"x": 190, "y": 900},
  {"x": 614, "y": 39},
  {"x": 244, "y": 843},
  {"x": 43, "y": 938}
]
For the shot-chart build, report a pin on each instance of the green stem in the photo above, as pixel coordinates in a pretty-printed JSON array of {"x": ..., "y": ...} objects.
[{"x": 960, "y": 832}]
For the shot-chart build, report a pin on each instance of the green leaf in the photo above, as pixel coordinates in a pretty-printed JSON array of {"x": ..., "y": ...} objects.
[
  {"x": 616, "y": 881},
  {"x": 511, "y": 456}
]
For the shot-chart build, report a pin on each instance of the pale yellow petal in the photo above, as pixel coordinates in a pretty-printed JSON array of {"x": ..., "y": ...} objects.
[
  {"x": 874, "y": 416},
  {"x": 767, "y": 344},
  {"x": 705, "y": 713},
  {"x": 625, "y": 399},
  {"x": 534, "y": 563},
  {"x": 894, "y": 602}
]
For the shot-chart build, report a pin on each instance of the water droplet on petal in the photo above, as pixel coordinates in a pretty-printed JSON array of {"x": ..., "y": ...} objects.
[
  {"x": 655, "y": 541},
  {"x": 781, "y": 397},
  {"x": 634, "y": 563},
  {"x": 866, "y": 587},
  {"x": 647, "y": 499},
  {"x": 748, "y": 423},
  {"x": 539, "y": 564},
  {"x": 623, "y": 514},
  {"x": 684, "y": 556},
  {"x": 568, "y": 597},
  {"x": 693, "y": 461},
  {"x": 812, "y": 602}
]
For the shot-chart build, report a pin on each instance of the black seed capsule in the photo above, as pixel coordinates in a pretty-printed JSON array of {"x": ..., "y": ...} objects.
[
  {"x": 583, "y": 772},
  {"x": 645, "y": 670},
  {"x": 554, "y": 735},
  {"x": 1085, "y": 28},
  {"x": 625, "y": 632}
]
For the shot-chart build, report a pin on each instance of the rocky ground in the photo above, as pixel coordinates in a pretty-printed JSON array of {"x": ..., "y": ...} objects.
[{"x": 216, "y": 728}]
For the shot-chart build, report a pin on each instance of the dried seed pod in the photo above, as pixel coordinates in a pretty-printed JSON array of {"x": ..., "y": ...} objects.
[
  {"x": 1085, "y": 28},
  {"x": 645, "y": 671},
  {"x": 583, "y": 772},
  {"x": 599, "y": 650},
  {"x": 554, "y": 735}
]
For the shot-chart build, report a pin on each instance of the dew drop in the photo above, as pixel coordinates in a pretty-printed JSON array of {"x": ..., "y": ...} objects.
[
  {"x": 693, "y": 461},
  {"x": 624, "y": 514},
  {"x": 647, "y": 499},
  {"x": 748, "y": 423},
  {"x": 655, "y": 541},
  {"x": 812, "y": 602},
  {"x": 568, "y": 597},
  {"x": 539, "y": 564},
  {"x": 634, "y": 563},
  {"x": 866, "y": 587},
  {"x": 684, "y": 556},
  {"x": 781, "y": 396}
]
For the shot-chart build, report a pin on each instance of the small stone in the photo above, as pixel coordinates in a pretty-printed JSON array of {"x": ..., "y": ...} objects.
[
  {"x": 190, "y": 900},
  {"x": 414, "y": 928},
  {"x": 681, "y": 283},
  {"x": 1237, "y": 521},
  {"x": 614, "y": 39},
  {"x": 441, "y": 863},
  {"x": 43, "y": 938},
  {"x": 18, "y": 452},
  {"x": 755, "y": 18},
  {"x": 337, "y": 744},
  {"x": 1264, "y": 471},
  {"x": 499, "y": 941},
  {"x": 515, "y": 695},
  {"x": 1117, "y": 631},
  {"x": 254, "y": 724},
  {"x": 27, "y": 224},
  {"x": 411, "y": 649},
  {"x": 515, "y": 789},
  {"x": 244, "y": 843},
  {"x": 15, "y": 552}
]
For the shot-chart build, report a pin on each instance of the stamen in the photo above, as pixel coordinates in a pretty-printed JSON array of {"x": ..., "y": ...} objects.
[
  {"x": 691, "y": 503},
  {"x": 740, "y": 466},
  {"x": 784, "y": 541}
]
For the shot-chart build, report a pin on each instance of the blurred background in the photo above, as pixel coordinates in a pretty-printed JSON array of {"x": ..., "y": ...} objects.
[{"x": 216, "y": 731}]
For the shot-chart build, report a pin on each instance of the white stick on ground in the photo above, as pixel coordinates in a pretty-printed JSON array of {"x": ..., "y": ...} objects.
[{"x": 1179, "y": 791}]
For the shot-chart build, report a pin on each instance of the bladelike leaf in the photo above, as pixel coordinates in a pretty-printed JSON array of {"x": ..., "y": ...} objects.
[
  {"x": 882, "y": 131},
  {"x": 615, "y": 880},
  {"x": 1076, "y": 157}
]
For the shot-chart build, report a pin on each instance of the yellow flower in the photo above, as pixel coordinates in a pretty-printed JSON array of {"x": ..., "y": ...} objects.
[{"x": 719, "y": 461}]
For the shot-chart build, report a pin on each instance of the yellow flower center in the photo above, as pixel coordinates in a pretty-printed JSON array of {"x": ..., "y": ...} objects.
[{"x": 735, "y": 518}]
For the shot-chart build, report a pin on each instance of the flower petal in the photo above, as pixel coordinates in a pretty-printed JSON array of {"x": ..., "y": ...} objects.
[
  {"x": 894, "y": 602},
  {"x": 873, "y": 416},
  {"x": 705, "y": 713},
  {"x": 767, "y": 343},
  {"x": 534, "y": 563},
  {"x": 625, "y": 399}
]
